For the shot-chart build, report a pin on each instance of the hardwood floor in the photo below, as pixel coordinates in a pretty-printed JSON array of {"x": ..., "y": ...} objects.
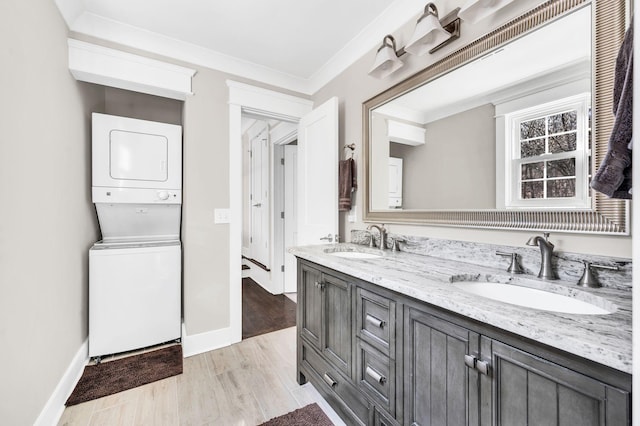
[
  {"x": 263, "y": 312},
  {"x": 244, "y": 384}
]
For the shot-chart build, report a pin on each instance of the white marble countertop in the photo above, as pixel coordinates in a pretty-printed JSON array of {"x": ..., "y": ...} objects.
[{"x": 605, "y": 339}]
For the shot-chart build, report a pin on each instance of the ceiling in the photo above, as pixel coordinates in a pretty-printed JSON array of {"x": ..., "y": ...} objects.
[{"x": 295, "y": 44}]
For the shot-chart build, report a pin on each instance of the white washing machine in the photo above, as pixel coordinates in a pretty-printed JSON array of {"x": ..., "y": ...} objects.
[
  {"x": 135, "y": 271},
  {"x": 134, "y": 295}
]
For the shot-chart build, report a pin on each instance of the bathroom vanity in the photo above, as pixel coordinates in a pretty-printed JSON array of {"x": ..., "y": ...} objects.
[{"x": 391, "y": 339}]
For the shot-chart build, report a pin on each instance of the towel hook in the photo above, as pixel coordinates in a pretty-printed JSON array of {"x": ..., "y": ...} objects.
[{"x": 352, "y": 147}]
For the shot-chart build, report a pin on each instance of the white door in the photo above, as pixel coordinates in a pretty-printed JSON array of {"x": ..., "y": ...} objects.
[
  {"x": 260, "y": 250},
  {"x": 317, "y": 190},
  {"x": 290, "y": 216}
]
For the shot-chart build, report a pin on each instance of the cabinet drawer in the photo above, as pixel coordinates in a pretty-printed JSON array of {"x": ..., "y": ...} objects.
[
  {"x": 336, "y": 387},
  {"x": 376, "y": 376},
  {"x": 376, "y": 320}
]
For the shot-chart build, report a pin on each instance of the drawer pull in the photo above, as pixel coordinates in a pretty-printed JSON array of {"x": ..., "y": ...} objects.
[
  {"x": 375, "y": 375},
  {"x": 329, "y": 380},
  {"x": 374, "y": 321}
]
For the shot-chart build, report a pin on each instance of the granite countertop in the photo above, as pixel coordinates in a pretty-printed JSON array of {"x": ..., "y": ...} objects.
[{"x": 605, "y": 339}]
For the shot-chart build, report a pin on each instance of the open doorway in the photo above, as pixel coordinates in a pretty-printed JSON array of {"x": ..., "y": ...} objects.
[
  {"x": 268, "y": 223},
  {"x": 268, "y": 196}
]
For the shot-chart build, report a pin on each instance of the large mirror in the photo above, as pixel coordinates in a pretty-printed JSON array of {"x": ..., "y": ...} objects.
[{"x": 505, "y": 132}]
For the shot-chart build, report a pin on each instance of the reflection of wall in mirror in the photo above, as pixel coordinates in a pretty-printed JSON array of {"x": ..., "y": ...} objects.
[
  {"x": 455, "y": 169},
  {"x": 379, "y": 158}
]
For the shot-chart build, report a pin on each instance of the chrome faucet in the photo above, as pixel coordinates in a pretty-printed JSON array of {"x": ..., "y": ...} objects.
[
  {"x": 546, "y": 251},
  {"x": 383, "y": 236}
]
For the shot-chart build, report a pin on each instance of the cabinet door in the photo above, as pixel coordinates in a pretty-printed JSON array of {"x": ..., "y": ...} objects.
[
  {"x": 310, "y": 304},
  {"x": 439, "y": 389},
  {"x": 337, "y": 325},
  {"x": 528, "y": 390}
]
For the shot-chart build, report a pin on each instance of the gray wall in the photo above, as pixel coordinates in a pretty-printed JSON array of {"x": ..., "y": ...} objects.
[
  {"x": 456, "y": 167},
  {"x": 142, "y": 106},
  {"x": 47, "y": 220}
]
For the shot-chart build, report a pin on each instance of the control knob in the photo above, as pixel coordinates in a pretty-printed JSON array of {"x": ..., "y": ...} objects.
[{"x": 163, "y": 195}]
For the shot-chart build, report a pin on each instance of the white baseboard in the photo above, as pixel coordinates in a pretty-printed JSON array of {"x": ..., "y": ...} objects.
[
  {"x": 204, "y": 342},
  {"x": 52, "y": 411}
]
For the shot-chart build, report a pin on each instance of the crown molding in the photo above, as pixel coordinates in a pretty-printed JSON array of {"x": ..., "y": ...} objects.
[{"x": 82, "y": 22}]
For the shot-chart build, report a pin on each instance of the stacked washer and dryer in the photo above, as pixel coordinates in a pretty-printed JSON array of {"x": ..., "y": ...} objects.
[{"x": 135, "y": 270}]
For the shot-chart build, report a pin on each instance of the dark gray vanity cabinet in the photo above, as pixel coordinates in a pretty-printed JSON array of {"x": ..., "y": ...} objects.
[{"x": 382, "y": 358}]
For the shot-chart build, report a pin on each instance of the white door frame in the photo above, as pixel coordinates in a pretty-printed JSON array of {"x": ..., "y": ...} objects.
[{"x": 251, "y": 99}]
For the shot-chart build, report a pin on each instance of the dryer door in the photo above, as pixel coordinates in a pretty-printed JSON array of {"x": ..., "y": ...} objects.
[
  {"x": 130, "y": 153},
  {"x": 138, "y": 156}
]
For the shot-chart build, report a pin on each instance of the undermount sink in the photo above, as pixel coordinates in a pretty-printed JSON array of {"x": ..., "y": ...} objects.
[
  {"x": 531, "y": 298},
  {"x": 355, "y": 254}
]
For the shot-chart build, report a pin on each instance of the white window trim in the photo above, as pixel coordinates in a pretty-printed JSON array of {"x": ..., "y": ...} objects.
[{"x": 512, "y": 186}]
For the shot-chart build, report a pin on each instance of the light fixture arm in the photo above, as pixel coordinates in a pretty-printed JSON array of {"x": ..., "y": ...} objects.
[
  {"x": 391, "y": 44},
  {"x": 429, "y": 9}
]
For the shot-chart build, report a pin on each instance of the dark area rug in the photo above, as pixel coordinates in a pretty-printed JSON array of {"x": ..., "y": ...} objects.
[
  {"x": 116, "y": 376},
  {"x": 263, "y": 312},
  {"x": 310, "y": 415}
]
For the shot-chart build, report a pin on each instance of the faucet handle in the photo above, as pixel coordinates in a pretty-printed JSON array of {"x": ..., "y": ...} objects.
[
  {"x": 514, "y": 267},
  {"x": 394, "y": 244},
  {"x": 372, "y": 243},
  {"x": 588, "y": 279}
]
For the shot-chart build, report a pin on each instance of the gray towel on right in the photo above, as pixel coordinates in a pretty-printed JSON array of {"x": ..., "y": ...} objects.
[{"x": 613, "y": 178}]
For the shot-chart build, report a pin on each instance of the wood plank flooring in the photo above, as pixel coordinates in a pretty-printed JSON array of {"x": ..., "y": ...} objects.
[
  {"x": 243, "y": 384},
  {"x": 263, "y": 312}
]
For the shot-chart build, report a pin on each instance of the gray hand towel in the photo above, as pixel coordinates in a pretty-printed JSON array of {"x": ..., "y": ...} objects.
[
  {"x": 613, "y": 178},
  {"x": 346, "y": 184}
]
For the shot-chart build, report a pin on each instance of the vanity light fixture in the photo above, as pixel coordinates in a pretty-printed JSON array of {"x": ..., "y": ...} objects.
[
  {"x": 476, "y": 10},
  {"x": 387, "y": 59},
  {"x": 431, "y": 33}
]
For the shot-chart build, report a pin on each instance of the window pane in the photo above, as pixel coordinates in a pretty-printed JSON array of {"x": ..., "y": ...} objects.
[
  {"x": 533, "y": 189},
  {"x": 561, "y": 168},
  {"x": 562, "y": 143},
  {"x": 563, "y": 122},
  {"x": 532, "y": 129},
  {"x": 531, "y": 148},
  {"x": 532, "y": 171},
  {"x": 561, "y": 188}
]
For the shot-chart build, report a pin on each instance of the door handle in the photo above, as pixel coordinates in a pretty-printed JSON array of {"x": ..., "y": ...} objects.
[
  {"x": 257, "y": 205},
  {"x": 327, "y": 238},
  {"x": 482, "y": 367},
  {"x": 470, "y": 361}
]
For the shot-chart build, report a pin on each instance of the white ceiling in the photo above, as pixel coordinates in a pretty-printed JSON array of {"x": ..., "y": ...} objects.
[{"x": 295, "y": 44}]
